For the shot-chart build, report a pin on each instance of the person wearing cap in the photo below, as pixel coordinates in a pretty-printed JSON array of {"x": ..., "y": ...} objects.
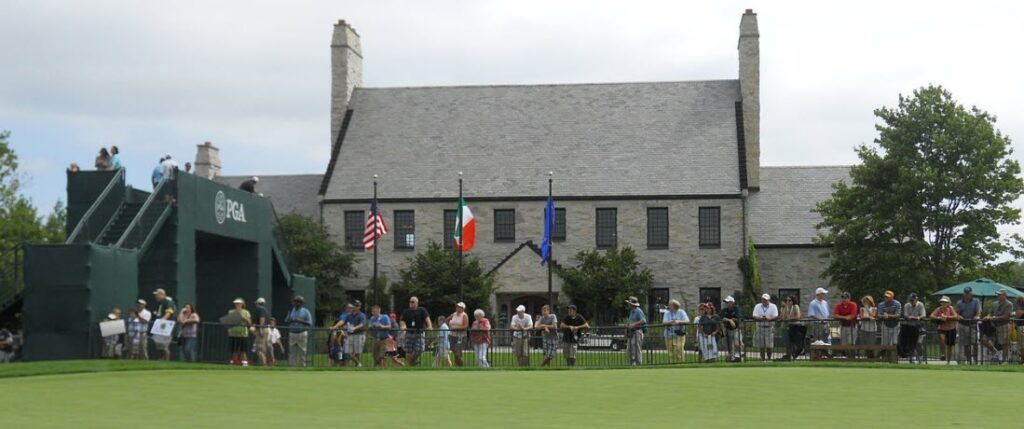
[
  {"x": 168, "y": 167},
  {"x": 636, "y": 326},
  {"x": 819, "y": 310},
  {"x": 112, "y": 344},
  {"x": 764, "y": 339},
  {"x": 889, "y": 311},
  {"x": 913, "y": 320},
  {"x": 733, "y": 335},
  {"x": 355, "y": 325},
  {"x": 261, "y": 339},
  {"x": 380, "y": 330},
  {"x": 414, "y": 320},
  {"x": 458, "y": 323},
  {"x": 846, "y": 312},
  {"x": 708, "y": 328},
  {"x": 249, "y": 185},
  {"x": 165, "y": 311},
  {"x": 867, "y": 326},
  {"x": 138, "y": 336},
  {"x": 1019, "y": 314},
  {"x": 1000, "y": 316},
  {"x": 298, "y": 320},
  {"x": 674, "y": 320},
  {"x": 547, "y": 324},
  {"x": 521, "y": 324},
  {"x": 968, "y": 310},
  {"x": 572, "y": 325},
  {"x": 189, "y": 333},
  {"x": 946, "y": 316},
  {"x": 239, "y": 334}
]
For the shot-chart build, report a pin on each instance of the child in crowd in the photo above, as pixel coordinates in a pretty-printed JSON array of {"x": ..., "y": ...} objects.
[
  {"x": 443, "y": 358},
  {"x": 391, "y": 351}
]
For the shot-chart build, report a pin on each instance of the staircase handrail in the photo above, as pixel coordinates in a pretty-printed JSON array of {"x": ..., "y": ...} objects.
[
  {"x": 88, "y": 213},
  {"x": 153, "y": 231},
  {"x": 142, "y": 211}
]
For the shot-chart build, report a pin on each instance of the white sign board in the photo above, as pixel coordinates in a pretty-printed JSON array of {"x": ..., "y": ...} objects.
[
  {"x": 162, "y": 327},
  {"x": 112, "y": 327}
]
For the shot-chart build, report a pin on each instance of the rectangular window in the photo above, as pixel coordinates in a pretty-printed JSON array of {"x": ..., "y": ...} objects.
[
  {"x": 712, "y": 295},
  {"x": 449, "y": 229},
  {"x": 355, "y": 225},
  {"x": 558, "y": 232},
  {"x": 606, "y": 228},
  {"x": 405, "y": 229},
  {"x": 709, "y": 227},
  {"x": 657, "y": 227},
  {"x": 504, "y": 225},
  {"x": 786, "y": 293}
]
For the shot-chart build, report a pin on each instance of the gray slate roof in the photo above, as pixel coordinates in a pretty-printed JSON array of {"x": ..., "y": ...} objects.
[
  {"x": 664, "y": 138},
  {"x": 780, "y": 213},
  {"x": 290, "y": 193}
]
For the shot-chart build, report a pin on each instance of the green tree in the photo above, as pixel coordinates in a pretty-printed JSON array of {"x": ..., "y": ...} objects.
[
  {"x": 603, "y": 280},
  {"x": 748, "y": 265},
  {"x": 923, "y": 206},
  {"x": 432, "y": 276},
  {"x": 312, "y": 252}
]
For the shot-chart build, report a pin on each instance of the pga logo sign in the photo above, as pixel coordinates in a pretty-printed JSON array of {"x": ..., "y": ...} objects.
[{"x": 224, "y": 208}]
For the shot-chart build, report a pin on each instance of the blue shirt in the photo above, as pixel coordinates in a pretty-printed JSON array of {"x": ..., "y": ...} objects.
[
  {"x": 355, "y": 319},
  {"x": 157, "y": 175},
  {"x": 442, "y": 336},
  {"x": 968, "y": 309},
  {"x": 670, "y": 316},
  {"x": 380, "y": 333},
  {"x": 637, "y": 315},
  {"x": 299, "y": 314},
  {"x": 818, "y": 309},
  {"x": 115, "y": 162}
]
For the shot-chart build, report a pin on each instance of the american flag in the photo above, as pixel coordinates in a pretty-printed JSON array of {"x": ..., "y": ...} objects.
[{"x": 375, "y": 227}]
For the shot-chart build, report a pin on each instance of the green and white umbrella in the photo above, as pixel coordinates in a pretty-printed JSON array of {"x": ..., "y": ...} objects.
[{"x": 982, "y": 288}]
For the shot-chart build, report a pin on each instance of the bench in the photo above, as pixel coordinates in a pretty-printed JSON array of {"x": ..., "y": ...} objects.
[{"x": 881, "y": 353}]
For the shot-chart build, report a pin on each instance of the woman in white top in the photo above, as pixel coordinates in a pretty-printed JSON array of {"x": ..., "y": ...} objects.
[
  {"x": 868, "y": 326},
  {"x": 675, "y": 321}
]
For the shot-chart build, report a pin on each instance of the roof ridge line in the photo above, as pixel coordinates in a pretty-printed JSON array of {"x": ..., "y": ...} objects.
[{"x": 525, "y": 85}]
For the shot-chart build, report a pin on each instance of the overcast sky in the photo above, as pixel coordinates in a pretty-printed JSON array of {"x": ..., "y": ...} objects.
[{"x": 254, "y": 76}]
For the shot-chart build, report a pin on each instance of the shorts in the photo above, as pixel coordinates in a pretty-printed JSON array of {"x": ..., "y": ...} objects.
[
  {"x": 457, "y": 342},
  {"x": 354, "y": 344},
  {"x": 569, "y": 350},
  {"x": 764, "y": 338},
  {"x": 550, "y": 346},
  {"x": 262, "y": 345},
  {"x": 950, "y": 337},
  {"x": 414, "y": 342},
  {"x": 238, "y": 344}
]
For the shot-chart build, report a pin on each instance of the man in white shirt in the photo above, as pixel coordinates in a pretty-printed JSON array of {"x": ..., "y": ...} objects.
[
  {"x": 144, "y": 317},
  {"x": 765, "y": 313},
  {"x": 819, "y": 310},
  {"x": 521, "y": 325}
]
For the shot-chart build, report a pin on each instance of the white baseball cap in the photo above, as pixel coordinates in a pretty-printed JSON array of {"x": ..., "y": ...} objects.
[
  {"x": 820, "y": 290},
  {"x": 766, "y": 296},
  {"x": 729, "y": 299},
  {"x": 521, "y": 308},
  {"x": 260, "y": 300},
  {"x": 463, "y": 305}
]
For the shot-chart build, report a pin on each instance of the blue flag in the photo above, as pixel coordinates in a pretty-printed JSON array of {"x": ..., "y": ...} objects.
[{"x": 549, "y": 225}]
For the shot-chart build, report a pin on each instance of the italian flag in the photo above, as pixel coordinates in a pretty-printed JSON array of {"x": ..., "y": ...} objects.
[{"x": 465, "y": 228}]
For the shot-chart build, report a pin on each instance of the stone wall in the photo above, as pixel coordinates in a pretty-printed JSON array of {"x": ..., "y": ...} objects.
[{"x": 793, "y": 268}]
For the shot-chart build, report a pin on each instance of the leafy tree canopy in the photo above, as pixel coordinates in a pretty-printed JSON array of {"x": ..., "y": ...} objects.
[
  {"x": 432, "y": 276},
  {"x": 603, "y": 280},
  {"x": 312, "y": 252}
]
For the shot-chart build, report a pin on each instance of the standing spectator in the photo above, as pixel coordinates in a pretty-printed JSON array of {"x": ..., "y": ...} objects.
[
  {"x": 458, "y": 322},
  {"x": 1019, "y": 314},
  {"x": 414, "y": 320},
  {"x": 571, "y": 327},
  {"x": 794, "y": 336},
  {"x": 189, "y": 321},
  {"x": 169, "y": 168},
  {"x": 239, "y": 334},
  {"x": 846, "y": 312},
  {"x": 764, "y": 339},
  {"x": 675, "y": 321},
  {"x": 157, "y": 175},
  {"x": 115, "y": 158},
  {"x": 946, "y": 315},
  {"x": 889, "y": 311},
  {"x": 261, "y": 337},
  {"x": 356, "y": 329},
  {"x": 708, "y": 325},
  {"x": 380, "y": 330},
  {"x": 298, "y": 322},
  {"x": 481, "y": 333},
  {"x": 819, "y": 310},
  {"x": 636, "y": 325},
  {"x": 868, "y": 327},
  {"x": 74, "y": 168},
  {"x": 1000, "y": 317},
  {"x": 521, "y": 325},
  {"x": 275, "y": 342},
  {"x": 399, "y": 336},
  {"x": 188, "y": 167},
  {"x": 733, "y": 335},
  {"x": 969, "y": 311},
  {"x": 113, "y": 344},
  {"x": 913, "y": 315},
  {"x": 103, "y": 160},
  {"x": 140, "y": 343},
  {"x": 6, "y": 346},
  {"x": 165, "y": 311},
  {"x": 547, "y": 324},
  {"x": 249, "y": 185},
  {"x": 442, "y": 357}
]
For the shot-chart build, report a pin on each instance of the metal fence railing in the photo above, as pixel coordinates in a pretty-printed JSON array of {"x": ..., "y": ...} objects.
[{"x": 979, "y": 342}]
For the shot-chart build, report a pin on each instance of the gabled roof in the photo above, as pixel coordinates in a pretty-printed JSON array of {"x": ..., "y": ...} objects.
[
  {"x": 290, "y": 193},
  {"x": 780, "y": 213},
  {"x": 662, "y": 138},
  {"x": 528, "y": 244}
]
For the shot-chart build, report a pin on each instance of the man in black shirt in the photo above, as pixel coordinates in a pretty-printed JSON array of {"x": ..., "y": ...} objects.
[
  {"x": 733, "y": 336},
  {"x": 250, "y": 184},
  {"x": 571, "y": 326},
  {"x": 261, "y": 342},
  {"x": 414, "y": 319}
]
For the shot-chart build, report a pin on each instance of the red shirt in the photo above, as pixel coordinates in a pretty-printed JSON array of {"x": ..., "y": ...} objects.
[{"x": 846, "y": 309}]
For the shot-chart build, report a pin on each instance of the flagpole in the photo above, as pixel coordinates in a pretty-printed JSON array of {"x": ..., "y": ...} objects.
[
  {"x": 376, "y": 293},
  {"x": 551, "y": 296},
  {"x": 462, "y": 239}
]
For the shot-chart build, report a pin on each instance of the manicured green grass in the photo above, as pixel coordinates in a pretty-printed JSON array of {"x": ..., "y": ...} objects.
[{"x": 111, "y": 394}]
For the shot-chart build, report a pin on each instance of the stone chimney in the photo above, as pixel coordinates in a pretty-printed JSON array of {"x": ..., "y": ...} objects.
[
  {"x": 346, "y": 72},
  {"x": 207, "y": 163},
  {"x": 750, "y": 88}
]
